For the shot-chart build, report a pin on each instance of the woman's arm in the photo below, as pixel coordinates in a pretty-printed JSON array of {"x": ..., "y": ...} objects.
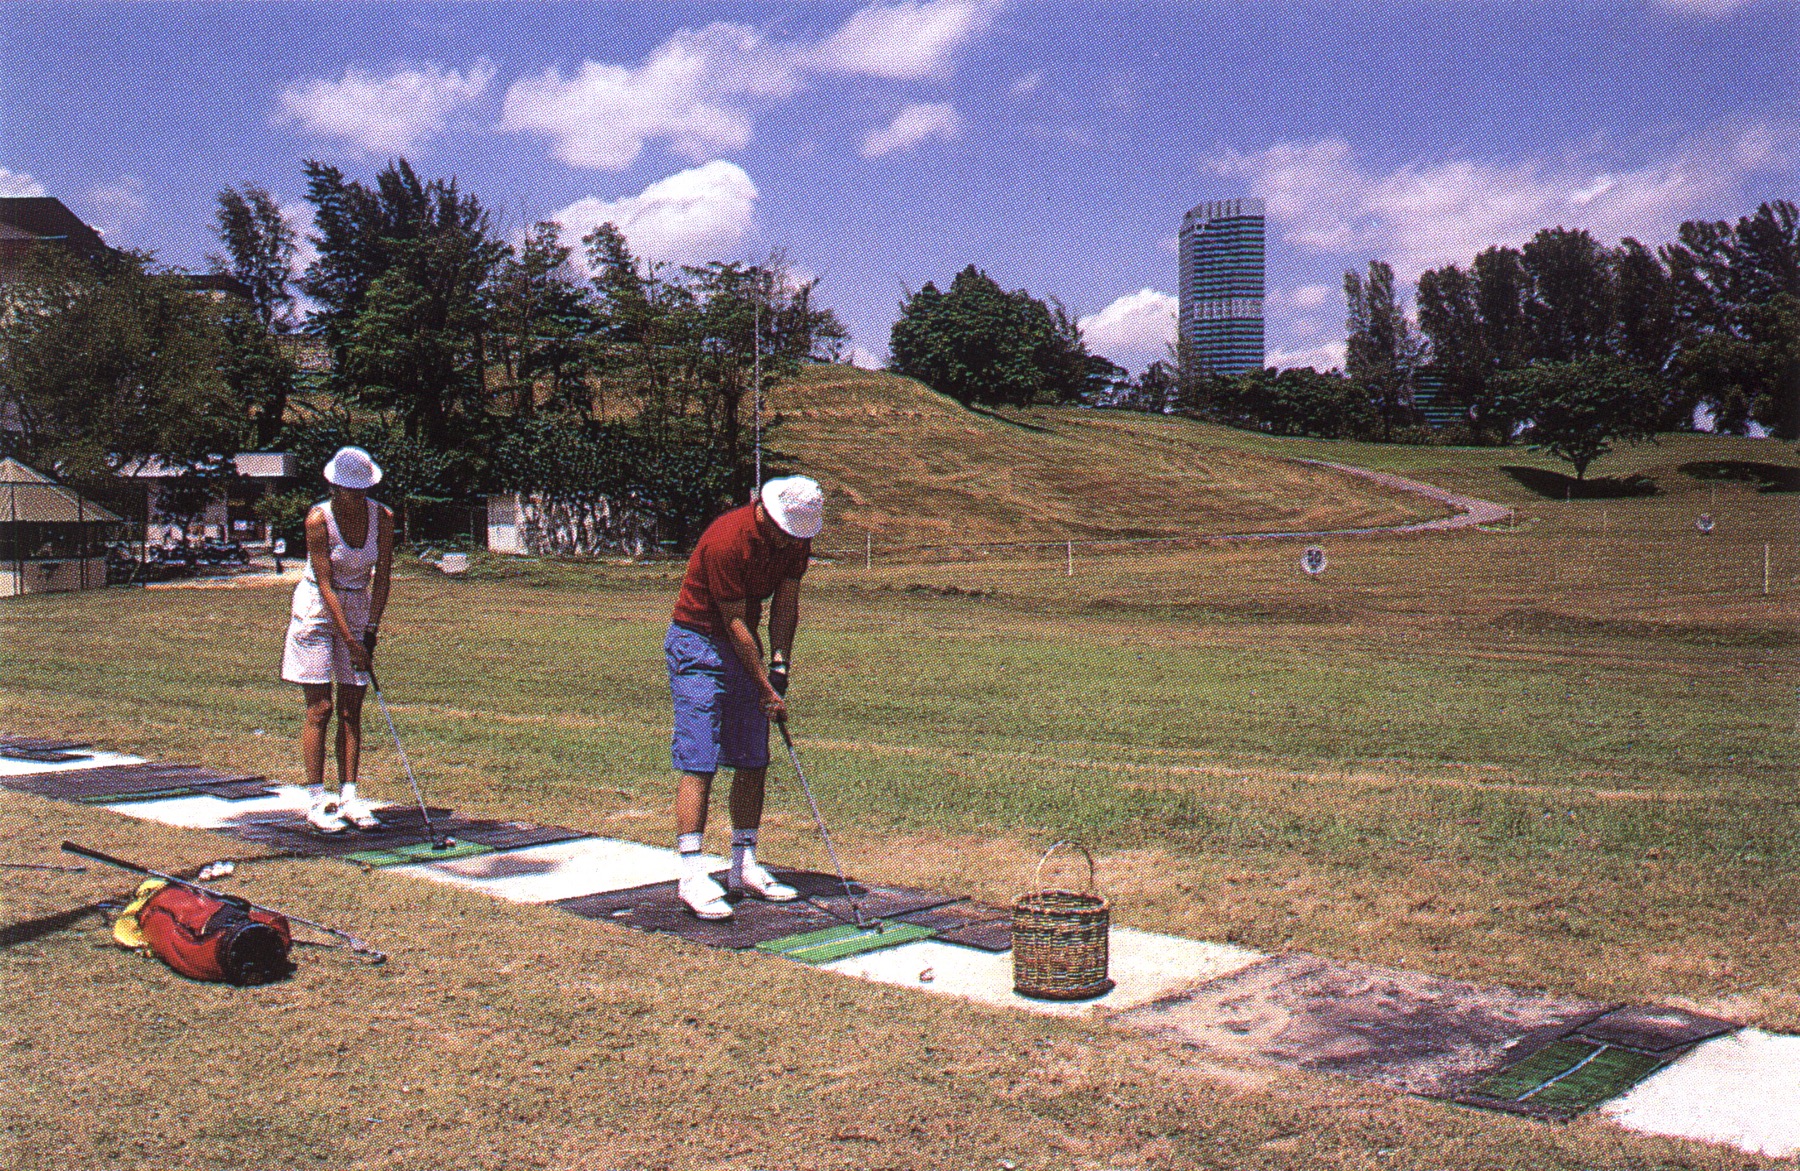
[
  {"x": 384, "y": 565},
  {"x": 318, "y": 552}
]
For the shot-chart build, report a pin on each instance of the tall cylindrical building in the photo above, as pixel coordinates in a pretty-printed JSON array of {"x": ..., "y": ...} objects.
[{"x": 1222, "y": 285}]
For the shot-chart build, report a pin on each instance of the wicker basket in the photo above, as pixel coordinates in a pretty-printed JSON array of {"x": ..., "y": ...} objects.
[{"x": 1059, "y": 939}]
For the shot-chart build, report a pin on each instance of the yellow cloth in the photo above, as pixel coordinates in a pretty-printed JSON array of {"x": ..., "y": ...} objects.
[{"x": 126, "y": 931}]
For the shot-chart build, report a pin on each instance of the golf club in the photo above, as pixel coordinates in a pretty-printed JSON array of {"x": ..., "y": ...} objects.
[
  {"x": 437, "y": 843},
  {"x": 347, "y": 942},
  {"x": 855, "y": 907}
]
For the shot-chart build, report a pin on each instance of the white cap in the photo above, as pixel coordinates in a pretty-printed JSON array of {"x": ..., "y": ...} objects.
[
  {"x": 797, "y": 504},
  {"x": 352, "y": 467}
]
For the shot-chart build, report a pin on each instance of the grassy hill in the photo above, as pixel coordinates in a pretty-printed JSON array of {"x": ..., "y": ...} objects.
[{"x": 913, "y": 467}]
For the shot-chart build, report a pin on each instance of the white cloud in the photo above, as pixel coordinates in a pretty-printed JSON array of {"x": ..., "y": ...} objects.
[
  {"x": 119, "y": 204},
  {"x": 697, "y": 91},
  {"x": 906, "y": 41},
  {"x": 1322, "y": 357},
  {"x": 1135, "y": 330},
  {"x": 912, "y": 125},
  {"x": 1322, "y": 198},
  {"x": 384, "y": 114},
  {"x": 19, "y": 185},
  {"x": 703, "y": 213},
  {"x": 299, "y": 217},
  {"x": 1708, "y": 8},
  {"x": 1310, "y": 296},
  {"x": 1028, "y": 84},
  {"x": 863, "y": 358}
]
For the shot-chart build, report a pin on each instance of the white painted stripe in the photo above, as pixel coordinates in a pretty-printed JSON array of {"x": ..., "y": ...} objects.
[
  {"x": 1143, "y": 964},
  {"x": 214, "y": 812},
  {"x": 1743, "y": 1089},
  {"x": 21, "y": 768},
  {"x": 560, "y": 870}
]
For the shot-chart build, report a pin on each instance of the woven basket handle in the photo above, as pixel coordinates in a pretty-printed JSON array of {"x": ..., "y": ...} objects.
[{"x": 1037, "y": 876}]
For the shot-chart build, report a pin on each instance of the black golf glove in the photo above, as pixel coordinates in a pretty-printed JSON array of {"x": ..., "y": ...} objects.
[
  {"x": 369, "y": 640},
  {"x": 778, "y": 677}
]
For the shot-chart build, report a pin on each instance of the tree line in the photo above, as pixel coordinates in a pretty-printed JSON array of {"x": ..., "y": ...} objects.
[
  {"x": 465, "y": 362},
  {"x": 1564, "y": 343}
]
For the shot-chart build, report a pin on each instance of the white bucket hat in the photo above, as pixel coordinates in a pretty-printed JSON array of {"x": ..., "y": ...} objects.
[
  {"x": 797, "y": 504},
  {"x": 352, "y": 467}
]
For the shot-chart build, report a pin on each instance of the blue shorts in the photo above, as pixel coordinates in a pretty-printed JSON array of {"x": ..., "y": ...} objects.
[{"x": 719, "y": 720}]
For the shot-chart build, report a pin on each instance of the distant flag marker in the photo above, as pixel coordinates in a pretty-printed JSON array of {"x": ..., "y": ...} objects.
[{"x": 1313, "y": 560}]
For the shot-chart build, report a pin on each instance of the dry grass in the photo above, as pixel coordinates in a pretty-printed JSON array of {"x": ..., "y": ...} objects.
[
  {"x": 911, "y": 467},
  {"x": 1560, "y": 757},
  {"x": 519, "y": 1037}
]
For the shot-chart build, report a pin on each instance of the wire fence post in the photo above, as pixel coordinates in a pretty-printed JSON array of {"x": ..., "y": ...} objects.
[
  {"x": 1071, "y": 571},
  {"x": 1765, "y": 569},
  {"x": 868, "y": 550}
]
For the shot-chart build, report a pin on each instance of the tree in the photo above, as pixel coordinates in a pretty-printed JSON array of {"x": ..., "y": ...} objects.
[
  {"x": 981, "y": 344},
  {"x": 259, "y": 254},
  {"x": 400, "y": 287},
  {"x": 1568, "y": 311},
  {"x": 1577, "y": 411},
  {"x": 108, "y": 363},
  {"x": 1450, "y": 320},
  {"x": 1382, "y": 352},
  {"x": 541, "y": 322}
]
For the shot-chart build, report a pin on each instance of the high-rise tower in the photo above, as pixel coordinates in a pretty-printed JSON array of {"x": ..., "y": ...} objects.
[{"x": 1222, "y": 285}]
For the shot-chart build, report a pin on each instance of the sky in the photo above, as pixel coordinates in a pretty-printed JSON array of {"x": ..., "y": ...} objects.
[{"x": 886, "y": 144}]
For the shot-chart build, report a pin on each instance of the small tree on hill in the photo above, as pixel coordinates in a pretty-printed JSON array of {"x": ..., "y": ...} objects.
[
  {"x": 1578, "y": 410},
  {"x": 979, "y": 343}
]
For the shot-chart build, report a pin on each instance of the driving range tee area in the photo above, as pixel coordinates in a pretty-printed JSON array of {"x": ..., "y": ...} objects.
[{"x": 1652, "y": 1068}]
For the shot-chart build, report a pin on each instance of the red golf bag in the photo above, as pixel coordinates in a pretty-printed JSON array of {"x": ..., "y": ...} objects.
[{"x": 206, "y": 938}]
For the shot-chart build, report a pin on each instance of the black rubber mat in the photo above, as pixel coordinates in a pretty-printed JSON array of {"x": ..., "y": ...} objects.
[
  {"x": 39, "y": 744},
  {"x": 658, "y": 907},
  {"x": 516, "y": 835},
  {"x": 1419, "y": 1033},
  {"x": 1654, "y": 1028},
  {"x": 41, "y": 755},
  {"x": 977, "y": 925},
  {"x": 236, "y": 790},
  {"x": 288, "y": 832},
  {"x": 89, "y": 784},
  {"x": 877, "y": 902}
]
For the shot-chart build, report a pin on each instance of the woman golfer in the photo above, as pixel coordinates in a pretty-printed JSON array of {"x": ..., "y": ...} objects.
[{"x": 331, "y": 634}]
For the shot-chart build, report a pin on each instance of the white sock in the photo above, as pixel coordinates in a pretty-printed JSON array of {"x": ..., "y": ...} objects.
[
  {"x": 743, "y": 853},
  {"x": 693, "y": 861}
]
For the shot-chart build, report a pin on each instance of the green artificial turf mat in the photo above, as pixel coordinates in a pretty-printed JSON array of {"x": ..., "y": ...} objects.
[
  {"x": 417, "y": 852},
  {"x": 1555, "y": 1078},
  {"x": 834, "y": 943},
  {"x": 1608, "y": 1075},
  {"x": 1516, "y": 1081}
]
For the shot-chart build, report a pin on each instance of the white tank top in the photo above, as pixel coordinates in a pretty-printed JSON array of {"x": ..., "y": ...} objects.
[{"x": 352, "y": 566}]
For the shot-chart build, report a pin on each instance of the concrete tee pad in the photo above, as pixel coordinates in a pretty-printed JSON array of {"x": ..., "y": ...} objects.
[
  {"x": 561, "y": 870},
  {"x": 658, "y": 907},
  {"x": 1143, "y": 964},
  {"x": 1743, "y": 1089},
  {"x": 20, "y": 768},
  {"x": 1412, "y": 1031}
]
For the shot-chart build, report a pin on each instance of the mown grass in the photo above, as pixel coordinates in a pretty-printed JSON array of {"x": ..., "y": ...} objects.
[{"x": 1561, "y": 756}]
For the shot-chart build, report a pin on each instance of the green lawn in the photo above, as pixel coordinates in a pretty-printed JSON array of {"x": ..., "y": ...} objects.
[{"x": 1562, "y": 756}]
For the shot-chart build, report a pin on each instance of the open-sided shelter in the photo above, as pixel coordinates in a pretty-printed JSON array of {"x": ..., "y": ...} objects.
[{"x": 51, "y": 537}]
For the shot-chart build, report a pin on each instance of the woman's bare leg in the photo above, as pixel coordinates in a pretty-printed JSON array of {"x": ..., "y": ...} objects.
[
  {"x": 349, "y": 732},
  {"x": 312, "y": 732}
]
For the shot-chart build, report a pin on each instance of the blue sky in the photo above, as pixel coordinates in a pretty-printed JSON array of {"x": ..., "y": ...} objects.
[{"x": 889, "y": 143}]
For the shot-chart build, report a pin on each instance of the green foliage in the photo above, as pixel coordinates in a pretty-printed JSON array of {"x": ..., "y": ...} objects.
[
  {"x": 1578, "y": 410},
  {"x": 541, "y": 319},
  {"x": 1382, "y": 353},
  {"x": 1298, "y": 401},
  {"x": 285, "y": 514},
  {"x": 109, "y": 362},
  {"x": 259, "y": 252},
  {"x": 980, "y": 344}
]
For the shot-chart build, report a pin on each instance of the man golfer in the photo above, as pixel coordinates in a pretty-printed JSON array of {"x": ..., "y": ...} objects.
[{"x": 724, "y": 697}]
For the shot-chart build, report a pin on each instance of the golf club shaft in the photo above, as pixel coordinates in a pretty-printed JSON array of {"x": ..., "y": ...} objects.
[
  {"x": 350, "y": 941},
  {"x": 819, "y": 819},
  {"x": 42, "y": 866},
  {"x": 418, "y": 795}
]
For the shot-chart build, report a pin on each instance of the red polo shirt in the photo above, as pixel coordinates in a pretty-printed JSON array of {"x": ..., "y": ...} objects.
[{"x": 734, "y": 563}]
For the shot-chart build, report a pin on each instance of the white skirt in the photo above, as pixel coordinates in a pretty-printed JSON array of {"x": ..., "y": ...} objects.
[{"x": 314, "y": 653}]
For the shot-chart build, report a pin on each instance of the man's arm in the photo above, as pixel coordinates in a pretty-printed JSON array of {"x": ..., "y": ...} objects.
[
  {"x": 749, "y": 653},
  {"x": 784, "y": 619}
]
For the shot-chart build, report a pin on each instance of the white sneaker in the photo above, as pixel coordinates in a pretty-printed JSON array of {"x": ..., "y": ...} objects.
[
  {"x": 759, "y": 882},
  {"x": 704, "y": 897},
  {"x": 359, "y": 813},
  {"x": 326, "y": 816}
]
